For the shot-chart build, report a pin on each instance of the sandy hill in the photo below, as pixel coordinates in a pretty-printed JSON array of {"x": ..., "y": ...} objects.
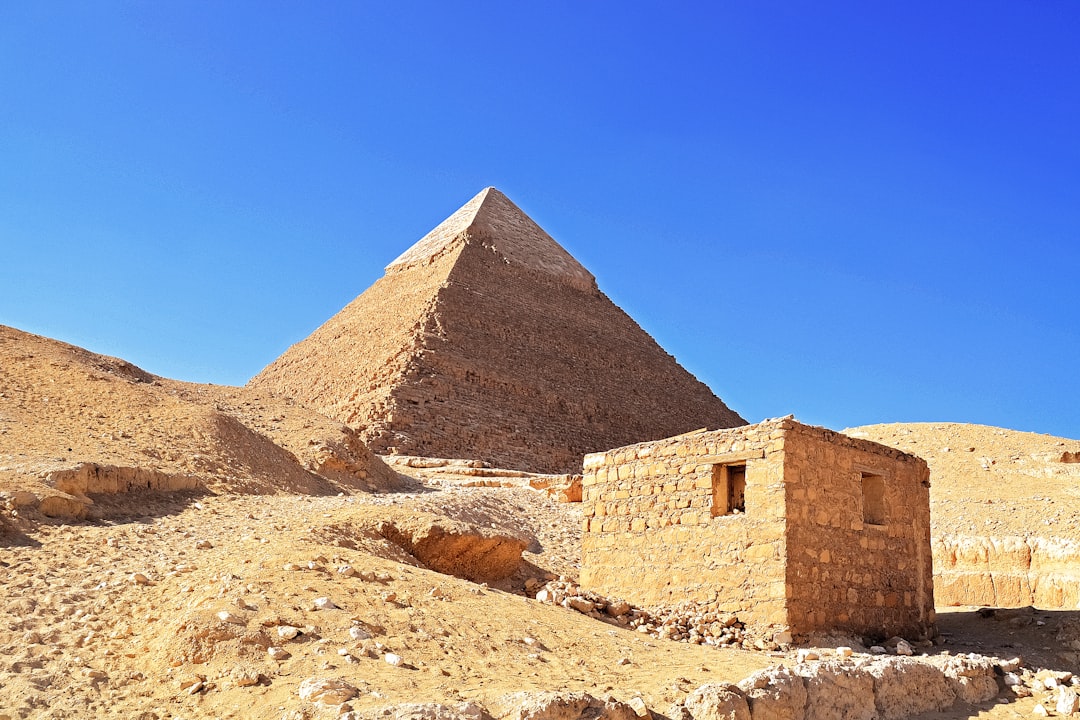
[
  {"x": 74, "y": 422},
  {"x": 1004, "y": 509},
  {"x": 488, "y": 340}
]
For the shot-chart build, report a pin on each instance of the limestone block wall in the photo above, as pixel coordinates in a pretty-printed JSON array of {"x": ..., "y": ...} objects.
[
  {"x": 855, "y": 560},
  {"x": 650, "y": 535},
  {"x": 833, "y": 533}
]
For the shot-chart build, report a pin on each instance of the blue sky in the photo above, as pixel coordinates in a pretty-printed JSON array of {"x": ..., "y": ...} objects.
[{"x": 848, "y": 212}]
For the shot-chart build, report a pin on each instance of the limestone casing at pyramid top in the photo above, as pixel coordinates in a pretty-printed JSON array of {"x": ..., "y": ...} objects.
[{"x": 495, "y": 221}]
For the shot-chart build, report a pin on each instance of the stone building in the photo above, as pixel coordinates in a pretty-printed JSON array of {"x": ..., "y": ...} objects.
[
  {"x": 488, "y": 340},
  {"x": 779, "y": 522}
]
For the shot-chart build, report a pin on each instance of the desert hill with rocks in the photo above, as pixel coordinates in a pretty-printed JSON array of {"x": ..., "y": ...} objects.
[
  {"x": 73, "y": 422},
  {"x": 220, "y": 552}
]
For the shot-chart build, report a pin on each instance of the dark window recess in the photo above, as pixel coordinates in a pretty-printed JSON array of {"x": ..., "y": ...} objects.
[
  {"x": 873, "y": 497},
  {"x": 728, "y": 489}
]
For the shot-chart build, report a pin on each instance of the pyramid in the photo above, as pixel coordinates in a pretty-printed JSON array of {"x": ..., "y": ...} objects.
[{"x": 487, "y": 340}]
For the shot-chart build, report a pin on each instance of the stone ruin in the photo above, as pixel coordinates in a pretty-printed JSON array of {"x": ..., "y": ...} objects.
[
  {"x": 782, "y": 523},
  {"x": 488, "y": 340}
]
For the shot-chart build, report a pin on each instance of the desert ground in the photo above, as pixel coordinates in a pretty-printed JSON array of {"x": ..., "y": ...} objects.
[{"x": 126, "y": 590}]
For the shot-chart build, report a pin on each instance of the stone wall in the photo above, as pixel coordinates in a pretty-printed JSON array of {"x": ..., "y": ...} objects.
[
  {"x": 649, "y": 534},
  {"x": 846, "y": 568},
  {"x": 658, "y": 530}
]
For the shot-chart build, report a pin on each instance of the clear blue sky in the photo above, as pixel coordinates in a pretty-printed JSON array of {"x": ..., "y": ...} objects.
[{"x": 847, "y": 211}]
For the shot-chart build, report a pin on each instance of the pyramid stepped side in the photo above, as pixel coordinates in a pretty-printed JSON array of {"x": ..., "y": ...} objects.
[
  {"x": 348, "y": 367},
  {"x": 527, "y": 371},
  {"x": 494, "y": 221}
]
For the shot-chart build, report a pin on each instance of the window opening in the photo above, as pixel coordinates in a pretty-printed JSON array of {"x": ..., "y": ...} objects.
[
  {"x": 873, "y": 495},
  {"x": 729, "y": 489}
]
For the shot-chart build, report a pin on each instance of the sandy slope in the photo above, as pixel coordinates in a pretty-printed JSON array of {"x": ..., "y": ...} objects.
[
  {"x": 992, "y": 481},
  {"x": 62, "y": 407}
]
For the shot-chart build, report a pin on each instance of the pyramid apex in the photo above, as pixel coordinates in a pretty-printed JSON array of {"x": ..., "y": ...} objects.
[{"x": 492, "y": 219}]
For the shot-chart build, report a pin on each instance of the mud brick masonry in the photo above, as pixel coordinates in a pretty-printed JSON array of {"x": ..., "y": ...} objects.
[{"x": 780, "y": 522}]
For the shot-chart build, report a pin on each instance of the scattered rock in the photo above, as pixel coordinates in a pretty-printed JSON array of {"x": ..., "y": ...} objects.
[
  {"x": 1068, "y": 702},
  {"x": 324, "y": 603},
  {"x": 244, "y": 676},
  {"x": 328, "y": 691},
  {"x": 428, "y": 711},
  {"x": 278, "y": 653}
]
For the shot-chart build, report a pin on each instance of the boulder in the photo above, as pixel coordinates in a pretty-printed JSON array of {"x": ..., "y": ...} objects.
[
  {"x": 328, "y": 691},
  {"x": 903, "y": 688},
  {"x": 718, "y": 701},
  {"x": 835, "y": 691},
  {"x": 775, "y": 694}
]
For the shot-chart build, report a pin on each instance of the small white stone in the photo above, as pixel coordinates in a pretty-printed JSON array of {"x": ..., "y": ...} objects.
[
  {"x": 1040, "y": 710},
  {"x": 277, "y": 653},
  {"x": 904, "y": 648},
  {"x": 287, "y": 632},
  {"x": 844, "y": 651},
  {"x": 324, "y": 603},
  {"x": 226, "y": 616},
  {"x": 1068, "y": 702},
  {"x": 393, "y": 659},
  {"x": 358, "y": 633},
  {"x": 291, "y": 567},
  {"x": 347, "y": 571}
]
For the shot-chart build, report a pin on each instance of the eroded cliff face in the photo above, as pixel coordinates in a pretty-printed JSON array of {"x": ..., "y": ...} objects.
[{"x": 1008, "y": 571}]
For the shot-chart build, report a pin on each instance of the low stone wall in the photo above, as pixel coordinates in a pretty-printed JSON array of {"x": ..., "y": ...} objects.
[
  {"x": 860, "y": 688},
  {"x": 1008, "y": 571}
]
